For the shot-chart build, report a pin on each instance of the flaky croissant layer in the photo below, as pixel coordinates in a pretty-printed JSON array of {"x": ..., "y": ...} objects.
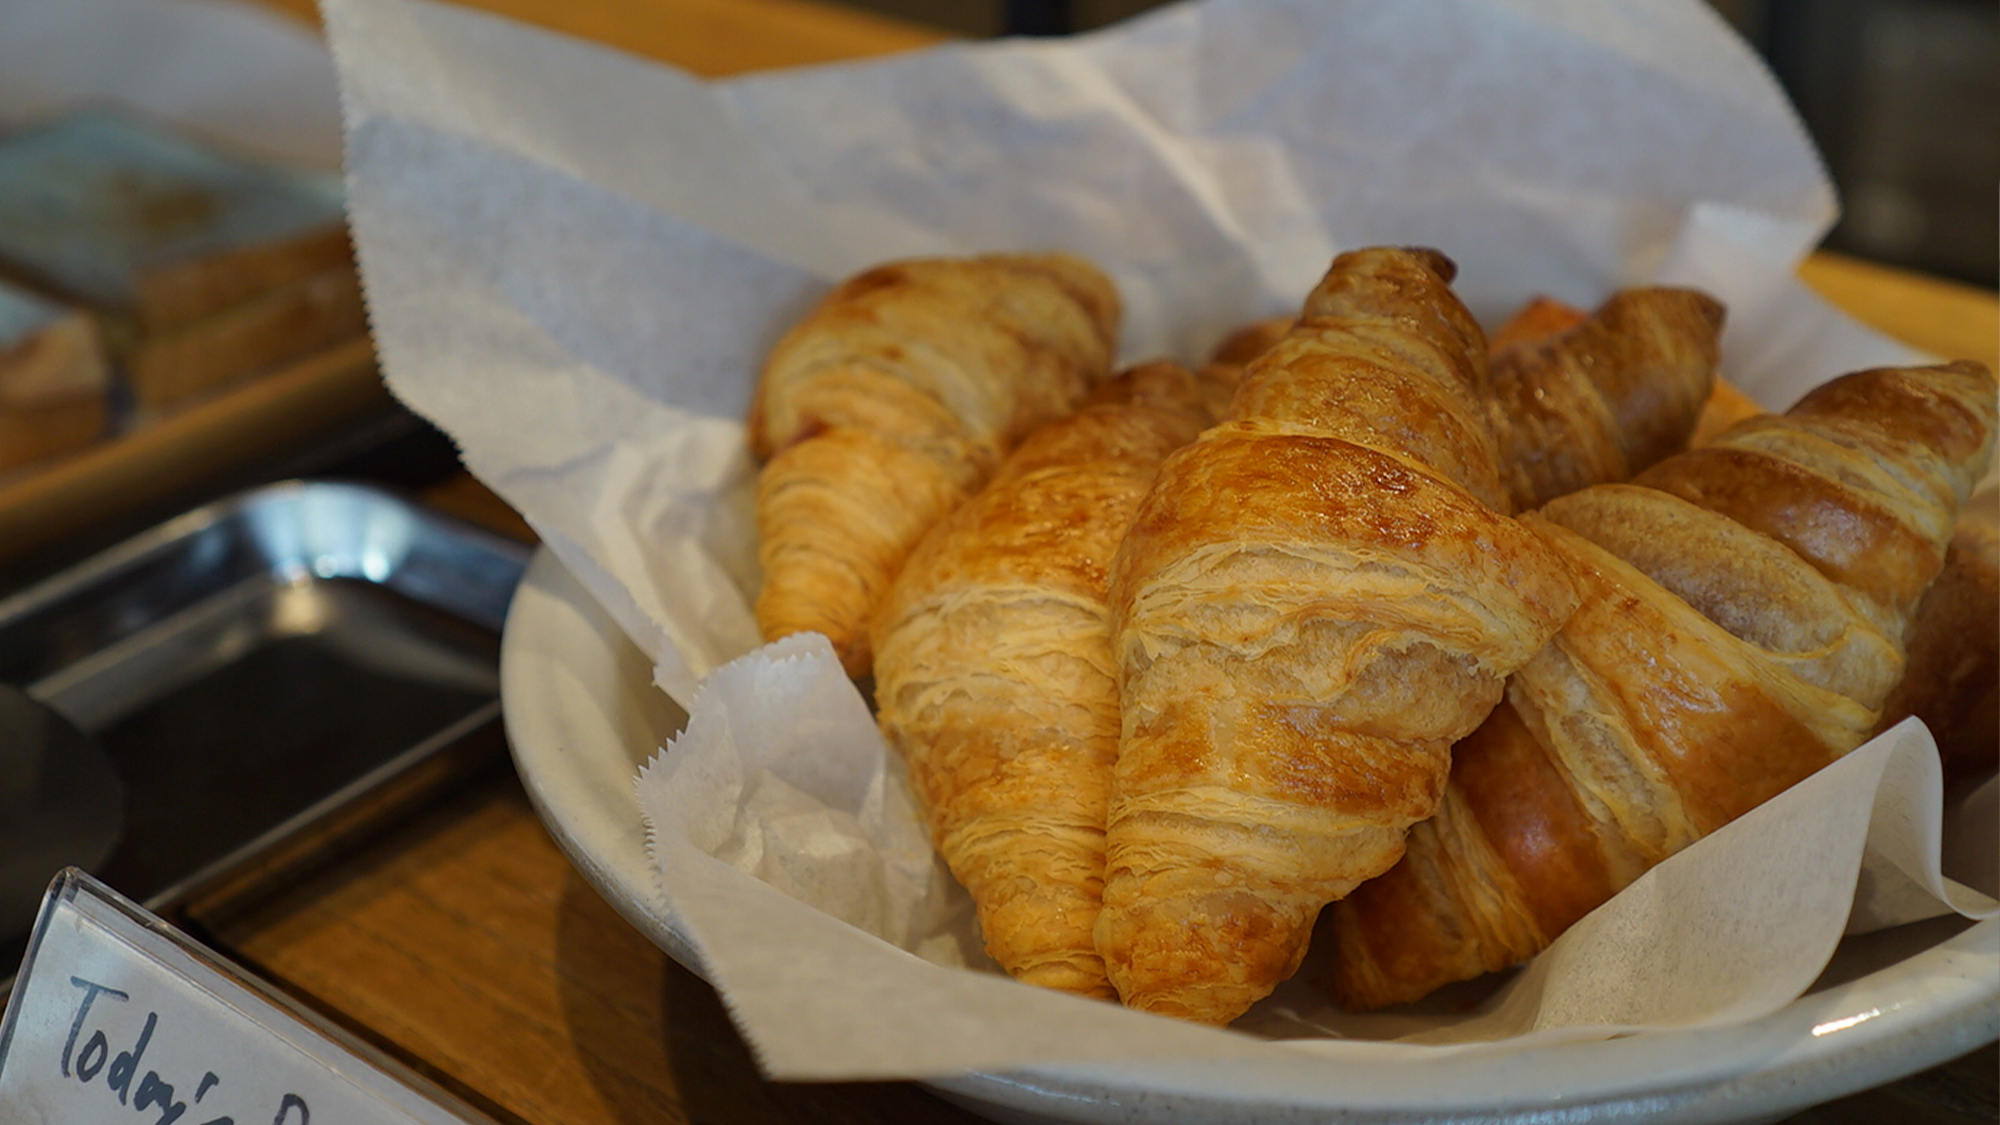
[
  {"x": 994, "y": 676},
  {"x": 1744, "y": 616},
  {"x": 1316, "y": 598},
  {"x": 1606, "y": 397},
  {"x": 891, "y": 402}
]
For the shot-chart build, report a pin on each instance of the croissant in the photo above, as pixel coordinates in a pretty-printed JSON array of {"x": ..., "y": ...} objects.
[
  {"x": 1952, "y": 678},
  {"x": 1536, "y": 321},
  {"x": 1952, "y": 681},
  {"x": 1316, "y": 598},
  {"x": 890, "y": 403},
  {"x": 1581, "y": 398},
  {"x": 1598, "y": 400},
  {"x": 1743, "y": 617},
  {"x": 1248, "y": 341},
  {"x": 994, "y": 677}
]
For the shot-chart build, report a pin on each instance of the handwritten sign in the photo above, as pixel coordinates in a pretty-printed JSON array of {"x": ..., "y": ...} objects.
[{"x": 117, "y": 1017}]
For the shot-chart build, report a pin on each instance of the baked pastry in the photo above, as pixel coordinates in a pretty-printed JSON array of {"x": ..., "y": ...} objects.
[
  {"x": 1538, "y": 319},
  {"x": 1581, "y": 398},
  {"x": 1744, "y": 611},
  {"x": 1596, "y": 401},
  {"x": 1250, "y": 340},
  {"x": 994, "y": 677},
  {"x": 1952, "y": 679},
  {"x": 1223, "y": 372},
  {"x": 1316, "y": 598},
  {"x": 1726, "y": 406},
  {"x": 890, "y": 403}
]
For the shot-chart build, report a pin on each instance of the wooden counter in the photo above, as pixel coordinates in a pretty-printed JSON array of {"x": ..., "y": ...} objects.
[{"x": 465, "y": 944}]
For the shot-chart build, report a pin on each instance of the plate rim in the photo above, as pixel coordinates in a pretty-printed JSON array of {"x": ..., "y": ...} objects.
[{"x": 1867, "y": 1031}]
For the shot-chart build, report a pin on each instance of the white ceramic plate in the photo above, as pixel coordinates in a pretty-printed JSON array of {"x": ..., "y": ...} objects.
[{"x": 1890, "y": 1005}]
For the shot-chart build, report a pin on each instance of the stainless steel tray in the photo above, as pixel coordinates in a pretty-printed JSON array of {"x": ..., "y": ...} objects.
[{"x": 261, "y": 668}]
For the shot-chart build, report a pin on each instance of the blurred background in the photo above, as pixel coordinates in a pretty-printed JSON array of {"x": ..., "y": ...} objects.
[
  {"x": 1902, "y": 96},
  {"x": 139, "y": 355}
]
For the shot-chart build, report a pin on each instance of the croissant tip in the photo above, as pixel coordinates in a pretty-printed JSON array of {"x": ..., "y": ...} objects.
[
  {"x": 1425, "y": 257},
  {"x": 1435, "y": 261},
  {"x": 1695, "y": 302},
  {"x": 1711, "y": 310},
  {"x": 1971, "y": 367}
]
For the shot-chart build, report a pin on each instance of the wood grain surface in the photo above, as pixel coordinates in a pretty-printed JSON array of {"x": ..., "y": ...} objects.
[{"x": 464, "y": 943}]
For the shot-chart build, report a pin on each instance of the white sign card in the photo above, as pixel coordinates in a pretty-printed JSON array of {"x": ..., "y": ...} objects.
[{"x": 118, "y": 1017}]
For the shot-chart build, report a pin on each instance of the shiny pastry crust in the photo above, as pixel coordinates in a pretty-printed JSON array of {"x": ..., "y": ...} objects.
[
  {"x": 994, "y": 675},
  {"x": 1741, "y": 626},
  {"x": 1952, "y": 680},
  {"x": 1316, "y": 599},
  {"x": 890, "y": 403},
  {"x": 1606, "y": 397},
  {"x": 1862, "y": 478}
]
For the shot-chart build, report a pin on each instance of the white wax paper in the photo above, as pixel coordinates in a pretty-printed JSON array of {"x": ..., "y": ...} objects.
[{"x": 575, "y": 261}]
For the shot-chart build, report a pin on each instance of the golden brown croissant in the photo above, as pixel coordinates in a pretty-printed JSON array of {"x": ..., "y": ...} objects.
[
  {"x": 1601, "y": 399},
  {"x": 1539, "y": 319},
  {"x": 1952, "y": 679},
  {"x": 891, "y": 402},
  {"x": 994, "y": 677},
  {"x": 1742, "y": 622},
  {"x": 1580, "y": 398},
  {"x": 1316, "y": 598}
]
